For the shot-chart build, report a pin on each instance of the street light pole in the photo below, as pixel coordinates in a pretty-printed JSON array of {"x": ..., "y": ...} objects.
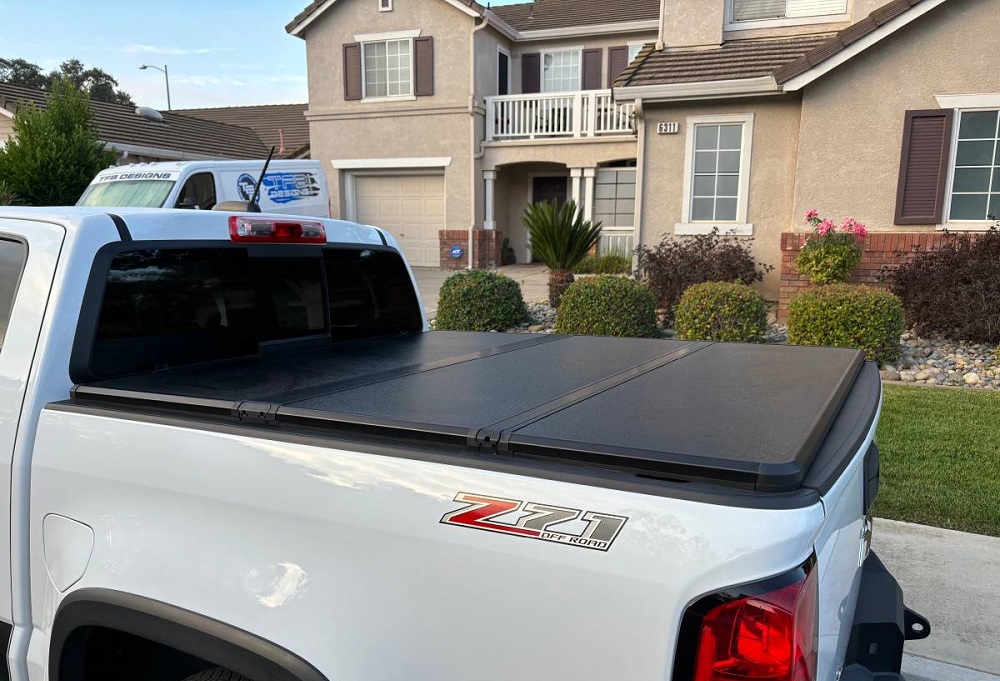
[{"x": 166, "y": 78}]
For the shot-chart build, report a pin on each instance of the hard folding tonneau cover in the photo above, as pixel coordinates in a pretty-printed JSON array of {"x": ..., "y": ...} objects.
[{"x": 750, "y": 416}]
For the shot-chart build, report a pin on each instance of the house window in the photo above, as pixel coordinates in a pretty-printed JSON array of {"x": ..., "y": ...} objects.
[
  {"x": 715, "y": 184},
  {"x": 758, "y": 10},
  {"x": 975, "y": 185},
  {"x": 503, "y": 72},
  {"x": 717, "y": 179},
  {"x": 384, "y": 5},
  {"x": 561, "y": 71},
  {"x": 388, "y": 68}
]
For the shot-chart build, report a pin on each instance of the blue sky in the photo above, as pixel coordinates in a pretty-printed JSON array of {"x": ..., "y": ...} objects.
[{"x": 218, "y": 53}]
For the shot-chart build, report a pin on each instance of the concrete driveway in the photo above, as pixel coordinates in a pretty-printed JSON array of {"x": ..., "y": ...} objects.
[{"x": 534, "y": 281}]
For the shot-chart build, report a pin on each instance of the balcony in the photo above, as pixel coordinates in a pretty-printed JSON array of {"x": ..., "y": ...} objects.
[{"x": 559, "y": 115}]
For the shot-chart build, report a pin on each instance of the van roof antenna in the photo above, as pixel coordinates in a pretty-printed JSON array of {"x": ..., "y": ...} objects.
[{"x": 253, "y": 206}]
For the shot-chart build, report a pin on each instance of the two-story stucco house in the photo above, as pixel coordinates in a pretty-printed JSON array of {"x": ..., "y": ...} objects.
[
  {"x": 445, "y": 116},
  {"x": 442, "y": 119}
]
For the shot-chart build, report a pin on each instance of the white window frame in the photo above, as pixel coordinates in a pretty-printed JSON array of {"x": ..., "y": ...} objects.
[
  {"x": 559, "y": 50},
  {"x": 369, "y": 38},
  {"x": 740, "y": 226},
  {"x": 510, "y": 69},
  {"x": 970, "y": 103},
  {"x": 731, "y": 25},
  {"x": 384, "y": 5}
]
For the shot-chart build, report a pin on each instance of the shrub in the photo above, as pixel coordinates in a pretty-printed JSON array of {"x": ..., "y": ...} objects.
[
  {"x": 609, "y": 263},
  {"x": 954, "y": 291},
  {"x": 7, "y": 197},
  {"x": 721, "y": 311},
  {"x": 479, "y": 300},
  {"x": 848, "y": 316},
  {"x": 831, "y": 252},
  {"x": 674, "y": 265},
  {"x": 55, "y": 152},
  {"x": 560, "y": 238},
  {"x": 607, "y": 305}
]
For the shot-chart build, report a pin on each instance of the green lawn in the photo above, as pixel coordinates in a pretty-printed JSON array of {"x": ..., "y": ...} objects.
[{"x": 941, "y": 458}]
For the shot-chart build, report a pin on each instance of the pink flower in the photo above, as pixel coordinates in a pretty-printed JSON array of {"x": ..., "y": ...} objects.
[
  {"x": 825, "y": 227},
  {"x": 811, "y": 213},
  {"x": 849, "y": 225},
  {"x": 860, "y": 231}
]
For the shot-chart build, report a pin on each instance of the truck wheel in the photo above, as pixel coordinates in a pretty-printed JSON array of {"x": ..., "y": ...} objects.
[{"x": 217, "y": 674}]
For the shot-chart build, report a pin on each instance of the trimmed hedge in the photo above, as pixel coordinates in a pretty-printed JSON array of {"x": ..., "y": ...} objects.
[
  {"x": 607, "y": 305},
  {"x": 848, "y": 316},
  {"x": 609, "y": 263},
  {"x": 721, "y": 311},
  {"x": 479, "y": 300}
]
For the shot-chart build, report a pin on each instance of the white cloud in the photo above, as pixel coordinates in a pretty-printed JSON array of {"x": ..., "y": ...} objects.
[{"x": 140, "y": 48}]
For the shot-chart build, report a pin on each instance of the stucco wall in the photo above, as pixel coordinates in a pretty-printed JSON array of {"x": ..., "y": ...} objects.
[
  {"x": 852, "y": 118},
  {"x": 686, "y": 23},
  {"x": 772, "y": 180},
  {"x": 434, "y": 126},
  {"x": 575, "y": 154}
]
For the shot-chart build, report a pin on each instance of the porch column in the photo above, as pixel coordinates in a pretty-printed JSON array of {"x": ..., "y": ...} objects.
[
  {"x": 576, "y": 174},
  {"x": 490, "y": 176},
  {"x": 588, "y": 201}
]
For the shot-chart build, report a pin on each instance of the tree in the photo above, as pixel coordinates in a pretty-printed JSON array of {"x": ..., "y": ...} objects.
[
  {"x": 561, "y": 239},
  {"x": 21, "y": 72},
  {"x": 55, "y": 152},
  {"x": 99, "y": 84}
]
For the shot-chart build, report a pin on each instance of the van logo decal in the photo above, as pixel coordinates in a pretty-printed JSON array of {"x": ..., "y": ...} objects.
[
  {"x": 279, "y": 187},
  {"x": 533, "y": 520}
]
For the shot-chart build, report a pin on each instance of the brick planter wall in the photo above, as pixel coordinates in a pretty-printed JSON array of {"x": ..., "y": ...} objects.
[
  {"x": 880, "y": 249},
  {"x": 486, "y": 248}
]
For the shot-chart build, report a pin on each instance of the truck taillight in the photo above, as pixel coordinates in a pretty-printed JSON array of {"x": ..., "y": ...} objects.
[
  {"x": 276, "y": 230},
  {"x": 761, "y": 632}
]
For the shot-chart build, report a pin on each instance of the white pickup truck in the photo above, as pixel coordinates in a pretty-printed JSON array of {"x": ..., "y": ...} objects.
[{"x": 234, "y": 451}]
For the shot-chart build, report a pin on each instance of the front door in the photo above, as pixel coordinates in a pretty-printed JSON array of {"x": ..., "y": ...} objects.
[{"x": 549, "y": 189}]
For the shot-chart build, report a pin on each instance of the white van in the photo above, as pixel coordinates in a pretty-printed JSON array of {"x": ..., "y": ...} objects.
[{"x": 292, "y": 187}]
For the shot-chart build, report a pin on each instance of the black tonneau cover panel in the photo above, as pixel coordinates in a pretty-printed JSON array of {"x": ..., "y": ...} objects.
[{"x": 752, "y": 416}]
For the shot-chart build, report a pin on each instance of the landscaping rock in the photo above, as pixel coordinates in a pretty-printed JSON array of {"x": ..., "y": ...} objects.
[
  {"x": 907, "y": 376},
  {"x": 889, "y": 374},
  {"x": 972, "y": 378}
]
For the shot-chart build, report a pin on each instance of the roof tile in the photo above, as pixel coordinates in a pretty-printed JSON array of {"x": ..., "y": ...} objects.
[
  {"x": 119, "y": 124},
  {"x": 271, "y": 122}
]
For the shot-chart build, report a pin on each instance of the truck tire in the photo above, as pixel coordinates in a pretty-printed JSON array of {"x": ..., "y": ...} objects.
[{"x": 216, "y": 674}]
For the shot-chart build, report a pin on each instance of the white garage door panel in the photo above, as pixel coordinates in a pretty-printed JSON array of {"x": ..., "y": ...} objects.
[{"x": 411, "y": 207}]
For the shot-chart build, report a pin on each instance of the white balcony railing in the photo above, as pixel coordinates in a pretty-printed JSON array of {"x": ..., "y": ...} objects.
[
  {"x": 593, "y": 113},
  {"x": 618, "y": 240}
]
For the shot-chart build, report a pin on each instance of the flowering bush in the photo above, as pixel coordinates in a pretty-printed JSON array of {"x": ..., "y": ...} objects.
[{"x": 831, "y": 252}]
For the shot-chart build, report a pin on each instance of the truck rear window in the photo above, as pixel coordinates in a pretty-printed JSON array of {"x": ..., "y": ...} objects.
[{"x": 164, "y": 307}]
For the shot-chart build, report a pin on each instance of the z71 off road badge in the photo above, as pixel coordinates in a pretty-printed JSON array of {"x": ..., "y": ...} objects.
[{"x": 532, "y": 520}]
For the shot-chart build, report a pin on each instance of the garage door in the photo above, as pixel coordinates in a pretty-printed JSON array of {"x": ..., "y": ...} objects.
[{"x": 411, "y": 207}]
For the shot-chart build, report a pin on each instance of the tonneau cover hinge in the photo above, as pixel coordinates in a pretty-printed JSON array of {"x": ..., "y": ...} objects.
[{"x": 265, "y": 412}]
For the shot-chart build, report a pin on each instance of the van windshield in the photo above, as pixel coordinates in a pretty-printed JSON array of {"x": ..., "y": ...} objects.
[{"x": 136, "y": 193}]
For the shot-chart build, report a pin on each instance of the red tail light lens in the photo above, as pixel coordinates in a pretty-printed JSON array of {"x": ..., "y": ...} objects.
[
  {"x": 761, "y": 632},
  {"x": 276, "y": 230}
]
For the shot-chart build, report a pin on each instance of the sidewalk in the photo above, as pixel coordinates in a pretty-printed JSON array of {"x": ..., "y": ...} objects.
[{"x": 952, "y": 579}]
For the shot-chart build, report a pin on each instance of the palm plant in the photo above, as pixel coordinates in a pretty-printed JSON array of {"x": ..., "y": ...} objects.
[{"x": 560, "y": 238}]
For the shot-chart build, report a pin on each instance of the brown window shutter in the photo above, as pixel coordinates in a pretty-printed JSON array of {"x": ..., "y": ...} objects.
[
  {"x": 923, "y": 167},
  {"x": 423, "y": 66},
  {"x": 531, "y": 73},
  {"x": 352, "y": 71},
  {"x": 617, "y": 62},
  {"x": 593, "y": 60}
]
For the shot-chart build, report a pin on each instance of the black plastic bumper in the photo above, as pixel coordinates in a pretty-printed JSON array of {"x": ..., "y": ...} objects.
[{"x": 881, "y": 625}]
